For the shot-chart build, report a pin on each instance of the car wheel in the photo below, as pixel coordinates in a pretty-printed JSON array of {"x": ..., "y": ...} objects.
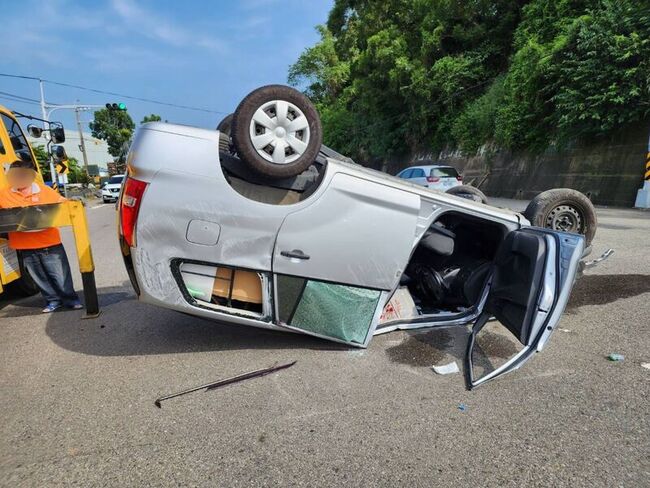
[
  {"x": 469, "y": 192},
  {"x": 25, "y": 286},
  {"x": 224, "y": 137},
  {"x": 105, "y": 200},
  {"x": 565, "y": 210},
  {"x": 276, "y": 131}
]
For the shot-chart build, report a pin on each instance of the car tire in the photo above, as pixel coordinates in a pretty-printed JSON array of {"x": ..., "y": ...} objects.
[
  {"x": 563, "y": 209},
  {"x": 268, "y": 114},
  {"x": 226, "y": 124},
  {"x": 469, "y": 192},
  {"x": 224, "y": 128},
  {"x": 25, "y": 286}
]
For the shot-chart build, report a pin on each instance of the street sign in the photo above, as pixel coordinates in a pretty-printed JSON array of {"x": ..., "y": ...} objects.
[{"x": 62, "y": 167}]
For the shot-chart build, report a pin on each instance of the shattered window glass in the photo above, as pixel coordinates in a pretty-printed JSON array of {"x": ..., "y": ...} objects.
[{"x": 338, "y": 311}]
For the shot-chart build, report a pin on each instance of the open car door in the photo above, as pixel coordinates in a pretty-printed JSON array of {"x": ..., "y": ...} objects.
[{"x": 532, "y": 276}]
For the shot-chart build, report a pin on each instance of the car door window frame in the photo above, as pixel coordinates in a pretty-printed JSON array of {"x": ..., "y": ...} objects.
[{"x": 550, "y": 303}]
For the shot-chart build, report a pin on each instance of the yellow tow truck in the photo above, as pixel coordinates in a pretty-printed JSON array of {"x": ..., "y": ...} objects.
[{"x": 14, "y": 146}]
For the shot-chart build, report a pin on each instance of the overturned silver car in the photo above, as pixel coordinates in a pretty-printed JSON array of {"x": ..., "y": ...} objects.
[{"x": 252, "y": 226}]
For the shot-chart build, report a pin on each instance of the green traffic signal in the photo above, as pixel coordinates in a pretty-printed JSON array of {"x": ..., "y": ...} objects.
[{"x": 116, "y": 106}]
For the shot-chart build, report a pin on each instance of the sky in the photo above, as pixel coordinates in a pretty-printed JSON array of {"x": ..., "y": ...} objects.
[{"x": 199, "y": 53}]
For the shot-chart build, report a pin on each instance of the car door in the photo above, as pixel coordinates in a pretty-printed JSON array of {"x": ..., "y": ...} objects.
[
  {"x": 405, "y": 174},
  {"x": 418, "y": 177},
  {"x": 336, "y": 260},
  {"x": 531, "y": 280}
]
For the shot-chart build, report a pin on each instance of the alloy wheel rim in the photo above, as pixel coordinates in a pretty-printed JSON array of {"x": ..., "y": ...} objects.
[{"x": 279, "y": 131}]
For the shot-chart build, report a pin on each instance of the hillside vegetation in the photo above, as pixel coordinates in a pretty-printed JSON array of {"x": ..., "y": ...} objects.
[{"x": 395, "y": 77}]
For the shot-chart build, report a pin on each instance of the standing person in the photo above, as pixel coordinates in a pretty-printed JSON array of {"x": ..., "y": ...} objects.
[{"x": 42, "y": 253}]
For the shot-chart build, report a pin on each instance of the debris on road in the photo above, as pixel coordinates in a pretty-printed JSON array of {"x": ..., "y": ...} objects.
[
  {"x": 616, "y": 357},
  {"x": 645, "y": 365},
  {"x": 450, "y": 368},
  {"x": 462, "y": 407},
  {"x": 228, "y": 381}
]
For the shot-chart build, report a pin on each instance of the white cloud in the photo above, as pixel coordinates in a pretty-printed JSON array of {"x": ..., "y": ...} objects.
[{"x": 152, "y": 25}]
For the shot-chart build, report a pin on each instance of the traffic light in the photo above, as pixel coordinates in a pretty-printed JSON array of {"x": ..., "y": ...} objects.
[{"x": 116, "y": 106}]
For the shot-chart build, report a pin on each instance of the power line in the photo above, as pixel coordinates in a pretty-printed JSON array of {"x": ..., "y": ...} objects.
[
  {"x": 114, "y": 94},
  {"x": 19, "y": 76},
  {"x": 20, "y": 97}
]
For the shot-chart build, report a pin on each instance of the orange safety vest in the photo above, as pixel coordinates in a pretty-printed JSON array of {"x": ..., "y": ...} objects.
[{"x": 33, "y": 239}]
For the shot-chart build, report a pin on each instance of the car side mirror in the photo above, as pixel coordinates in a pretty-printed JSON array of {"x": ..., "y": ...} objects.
[
  {"x": 59, "y": 154},
  {"x": 57, "y": 133},
  {"x": 35, "y": 132}
]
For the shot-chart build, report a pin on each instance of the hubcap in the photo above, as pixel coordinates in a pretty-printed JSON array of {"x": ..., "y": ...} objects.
[
  {"x": 279, "y": 132},
  {"x": 565, "y": 218}
]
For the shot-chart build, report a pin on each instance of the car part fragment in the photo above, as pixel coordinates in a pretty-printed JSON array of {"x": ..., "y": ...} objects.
[
  {"x": 595, "y": 262},
  {"x": 228, "y": 381}
]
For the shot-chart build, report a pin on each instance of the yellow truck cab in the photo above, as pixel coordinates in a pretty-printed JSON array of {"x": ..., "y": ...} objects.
[{"x": 12, "y": 143}]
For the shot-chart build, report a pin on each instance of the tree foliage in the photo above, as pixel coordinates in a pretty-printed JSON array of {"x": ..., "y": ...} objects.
[
  {"x": 115, "y": 127},
  {"x": 150, "y": 118},
  {"x": 394, "y": 77},
  {"x": 43, "y": 160}
]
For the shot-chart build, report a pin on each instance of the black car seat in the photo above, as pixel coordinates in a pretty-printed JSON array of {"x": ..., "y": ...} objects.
[{"x": 439, "y": 240}]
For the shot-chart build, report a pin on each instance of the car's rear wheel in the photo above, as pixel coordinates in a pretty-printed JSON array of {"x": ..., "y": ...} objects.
[
  {"x": 565, "y": 210},
  {"x": 469, "y": 192},
  {"x": 224, "y": 129},
  {"x": 276, "y": 131}
]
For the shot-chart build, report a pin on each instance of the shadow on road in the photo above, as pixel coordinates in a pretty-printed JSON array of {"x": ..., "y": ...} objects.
[
  {"x": 604, "y": 289},
  {"x": 127, "y": 327}
]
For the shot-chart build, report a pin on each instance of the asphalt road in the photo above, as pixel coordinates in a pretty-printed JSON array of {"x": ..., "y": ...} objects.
[{"x": 77, "y": 395}]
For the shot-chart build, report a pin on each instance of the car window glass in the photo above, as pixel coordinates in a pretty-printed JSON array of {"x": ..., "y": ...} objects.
[
  {"x": 406, "y": 173},
  {"x": 115, "y": 180},
  {"x": 16, "y": 135},
  {"x": 444, "y": 172},
  {"x": 417, "y": 173}
]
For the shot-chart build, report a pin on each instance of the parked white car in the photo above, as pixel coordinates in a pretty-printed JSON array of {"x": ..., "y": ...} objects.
[
  {"x": 111, "y": 189},
  {"x": 434, "y": 176}
]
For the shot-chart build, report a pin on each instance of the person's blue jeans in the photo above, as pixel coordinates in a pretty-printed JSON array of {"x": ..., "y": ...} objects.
[{"x": 50, "y": 270}]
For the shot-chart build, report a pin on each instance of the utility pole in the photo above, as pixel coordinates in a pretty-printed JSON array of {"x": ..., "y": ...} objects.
[
  {"x": 45, "y": 117},
  {"x": 643, "y": 195},
  {"x": 81, "y": 139}
]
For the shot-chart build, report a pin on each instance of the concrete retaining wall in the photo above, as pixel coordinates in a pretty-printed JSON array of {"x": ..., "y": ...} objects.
[{"x": 609, "y": 172}]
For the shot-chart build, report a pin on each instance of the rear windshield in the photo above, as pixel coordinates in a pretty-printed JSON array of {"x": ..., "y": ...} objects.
[
  {"x": 113, "y": 180},
  {"x": 444, "y": 172}
]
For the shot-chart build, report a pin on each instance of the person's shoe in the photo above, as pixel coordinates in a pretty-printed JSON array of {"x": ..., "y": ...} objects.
[
  {"x": 76, "y": 305},
  {"x": 51, "y": 307}
]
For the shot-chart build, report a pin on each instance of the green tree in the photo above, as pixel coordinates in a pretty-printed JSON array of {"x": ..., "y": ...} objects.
[
  {"x": 395, "y": 77},
  {"x": 115, "y": 127},
  {"x": 150, "y": 118},
  {"x": 76, "y": 173},
  {"x": 43, "y": 160}
]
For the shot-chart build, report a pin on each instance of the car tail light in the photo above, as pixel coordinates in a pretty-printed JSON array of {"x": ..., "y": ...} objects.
[
  {"x": 459, "y": 178},
  {"x": 432, "y": 179},
  {"x": 131, "y": 200}
]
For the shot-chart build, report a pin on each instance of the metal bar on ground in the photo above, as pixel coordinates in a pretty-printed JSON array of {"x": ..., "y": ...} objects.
[{"x": 228, "y": 381}]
